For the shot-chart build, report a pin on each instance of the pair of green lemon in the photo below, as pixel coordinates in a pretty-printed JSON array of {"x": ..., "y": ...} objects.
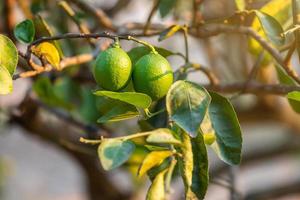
[{"x": 151, "y": 74}]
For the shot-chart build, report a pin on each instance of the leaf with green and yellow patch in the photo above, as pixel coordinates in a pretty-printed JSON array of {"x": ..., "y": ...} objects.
[
  {"x": 157, "y": 188},
  {"x": 114, "y": 152},
  {"x": 153, "y": 159},
  {"x": 194, "y": 166},
  {"x": 162, "y": 136}
]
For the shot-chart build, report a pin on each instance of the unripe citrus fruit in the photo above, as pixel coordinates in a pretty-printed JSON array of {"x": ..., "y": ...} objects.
[
  {"x": 152, "y": 75},
  {"x": 112, "y": 70}
]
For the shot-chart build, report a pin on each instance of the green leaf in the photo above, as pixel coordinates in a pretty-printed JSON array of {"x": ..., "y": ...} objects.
[
  {"x": 121, "y": 111},
  {"x": 294, "y": 100},
  {"x": 271, "y": 28},
  {"x": 136, "y": 53},
  {"x": 228, "y": 143},
  {"x": 153, "y": 159},
  {"x": 6, "y": 83},
  {"x": 194, "y": 167},
  {"x": 169, "y": 32},
  {"x": 165, "y": 7},
  {"x": 25, "y": 31},
  {"x": 8, "y": 54},
  {"x": 187, "y": 104},
  {"x": 113, "y": 152},
  {"x": 162, "y": 136},
  {"x": 88, "y": 110},
  {"x": 240, "y": 4},
  {"x": 278, "y": 9},
  {"x": 137, "y": 99},
  {"x": 283, "y": 77},
  {"x": 46, "y": 92},
  {"x": 157, "y": 188}
]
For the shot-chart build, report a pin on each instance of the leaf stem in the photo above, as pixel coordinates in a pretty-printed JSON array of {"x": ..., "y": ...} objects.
[
  {"x": 87, "y": 141},
  {"x": 143, "y": 43},
  {"x": 185, "y": 35}
]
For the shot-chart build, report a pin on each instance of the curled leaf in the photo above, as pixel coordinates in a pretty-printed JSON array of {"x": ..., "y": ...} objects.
[
  {"x": 153, "y": 159},
  {"x": 157, "y": 188},
  {"x": 169, "y": 32},
  {"x": 49, "y": 52}
]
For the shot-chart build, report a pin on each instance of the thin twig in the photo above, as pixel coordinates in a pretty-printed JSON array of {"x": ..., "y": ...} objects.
[
  {"x": 210, "y": 31},
  {"x": 210, "y": 75},
  {"x": 81, "y": 26},
  {"x": 295, "y": 23},
  {"x": 186, "y": 44},
  {"x": 151, "y": 14},
  {"x": 90, "y": 129},
  {"x": 253, "y": 88},
  {"x": 97, "y": 13}
]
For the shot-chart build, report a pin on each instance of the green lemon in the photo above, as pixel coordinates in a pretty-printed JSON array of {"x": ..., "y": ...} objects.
[
  {"x": 112, "y": 70},
  {"x": 152, "y": 75}
]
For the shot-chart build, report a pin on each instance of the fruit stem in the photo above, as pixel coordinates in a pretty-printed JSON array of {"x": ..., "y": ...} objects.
[
  {"x": 116, "y": 43},
  {"x": 143, "y": 43}
]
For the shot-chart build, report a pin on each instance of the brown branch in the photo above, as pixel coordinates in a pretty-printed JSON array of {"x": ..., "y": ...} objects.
[
  {"x": 64, "y": 63},
  {"x": 81, "y": 26},
  {"x": 254, "y": 88},
  {"x": 117, "y": 7},
  {"x": 151, "y": 14},
  {"x": 295, "y": 13},
  {"x": 98, "y": 14},
  {"x": 9, "y": 17},
  {"x": 211, "y": 30},
  {"x": 65, "y": 136},
  {"x": 196, "y": 14},
  {"x": 210, "y": 75}
]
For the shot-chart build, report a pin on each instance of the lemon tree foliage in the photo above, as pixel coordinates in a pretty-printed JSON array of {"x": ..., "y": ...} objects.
[
  {"x": 25, "y": 31},
  {"x": 113, "y": 152},
  {"x": 194, "y": 166},
  {"x": 187, "y": 104},
  {"x": 228, "y": 143},
  {"x": 294, "y": 100},
  {"x": 8, "y": 64},
  {"x": 178, "y": 119},
  {"x": 134, "y": 98}
]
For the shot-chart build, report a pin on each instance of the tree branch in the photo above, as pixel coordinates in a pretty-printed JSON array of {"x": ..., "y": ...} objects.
[{"x": 98, "y": 14}]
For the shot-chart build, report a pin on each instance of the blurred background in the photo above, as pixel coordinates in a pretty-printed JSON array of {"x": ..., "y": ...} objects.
[{"x": 35, "y": 165}]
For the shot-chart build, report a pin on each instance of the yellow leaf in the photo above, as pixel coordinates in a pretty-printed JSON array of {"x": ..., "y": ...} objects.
[
  {"x": 49, "y": 52},
  {"x": 157, "y": 188},
  {"x": 153, "y": 159},
  {"x": 280, "y": 10},
  {"x": 6, "y": 83}
]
